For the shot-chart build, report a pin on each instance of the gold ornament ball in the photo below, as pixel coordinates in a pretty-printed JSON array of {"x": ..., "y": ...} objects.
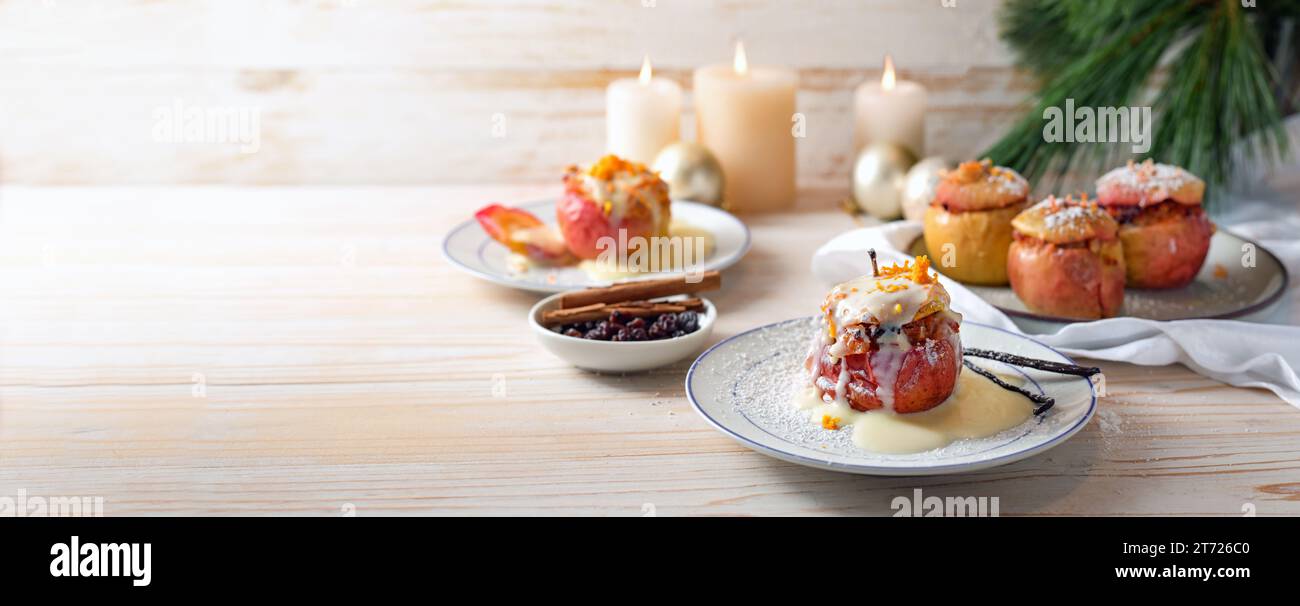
[
  {"x": 879, "y": 175},
  {"x": 918, "y": 189},
  {"x": 692, "y": 173}
]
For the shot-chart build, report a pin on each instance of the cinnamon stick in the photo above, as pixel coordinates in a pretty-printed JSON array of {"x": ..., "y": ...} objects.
[
  {"x": 641, "y": 290},
  {"x": 631, "y": 309}
]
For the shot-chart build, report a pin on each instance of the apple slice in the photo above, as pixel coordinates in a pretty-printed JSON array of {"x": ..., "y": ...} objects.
[{"x": 523, "y": 233}]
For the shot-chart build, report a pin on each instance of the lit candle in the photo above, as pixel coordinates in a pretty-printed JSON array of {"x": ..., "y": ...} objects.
[
  {"x": 744, "y": 115},
  {"x": 892, "y": 110},
  {"x": 642, "y": 115}
]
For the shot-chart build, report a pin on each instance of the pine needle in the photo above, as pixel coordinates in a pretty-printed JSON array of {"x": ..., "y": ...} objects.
[{"x": 1218, "y": 109}]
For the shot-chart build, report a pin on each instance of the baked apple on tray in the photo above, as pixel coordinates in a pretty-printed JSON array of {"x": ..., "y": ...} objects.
[
  {"x": 971, "y": 216},
  {"x": 1066, "y": 259},
  {"x": 1165, "y": 232}
]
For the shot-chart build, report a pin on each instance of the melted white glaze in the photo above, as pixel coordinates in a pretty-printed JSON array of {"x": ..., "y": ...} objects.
[
  {"x": 864, "y": 302},
  {"x": 977, "y": 408},
  {"x": 885, "y": 363},
  {"x": 878, "y": 301},
  {"x": 616, "y": 191}
]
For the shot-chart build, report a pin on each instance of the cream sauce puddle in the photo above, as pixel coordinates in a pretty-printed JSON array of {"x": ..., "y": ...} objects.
[
  {"x": 611, "y": 271},
  {"x": 684, "y": 234},
  {"x": 977, "y": 408}
]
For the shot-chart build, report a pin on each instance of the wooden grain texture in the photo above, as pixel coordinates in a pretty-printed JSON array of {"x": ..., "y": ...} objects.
[
  {"x": 295, "y": 350},
  {"x": 400, "y": 92}
]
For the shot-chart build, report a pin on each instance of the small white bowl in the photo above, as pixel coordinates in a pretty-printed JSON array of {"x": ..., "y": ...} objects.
[{"x": 619, "y": 356}]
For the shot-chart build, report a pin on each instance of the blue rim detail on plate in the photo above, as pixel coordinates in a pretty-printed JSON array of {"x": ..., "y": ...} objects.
[
  {"x": 536, "y": 286},
  {"x": 824, "y": 464}
]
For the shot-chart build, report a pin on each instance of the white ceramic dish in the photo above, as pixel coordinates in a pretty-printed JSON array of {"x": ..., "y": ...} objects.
[
  {"x": 611, "y": 356},
  {"x": 743, "y": 386},
  {"x": 469, "y": 248}
]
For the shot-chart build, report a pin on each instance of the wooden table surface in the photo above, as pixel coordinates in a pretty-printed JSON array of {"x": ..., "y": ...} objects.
[{"x": 307, "y": 351}]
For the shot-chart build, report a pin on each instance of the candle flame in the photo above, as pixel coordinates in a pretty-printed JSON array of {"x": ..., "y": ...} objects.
[
  {"x": 887, "y": 80},
  {"x": 645, "y": 71},
  {"x": 742, "y": 63}
]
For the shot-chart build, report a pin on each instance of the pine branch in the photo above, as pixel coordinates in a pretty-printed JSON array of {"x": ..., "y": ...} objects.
[
  {"x": 1221, "y": 86},
  {"x": 1111, "y": 74}
]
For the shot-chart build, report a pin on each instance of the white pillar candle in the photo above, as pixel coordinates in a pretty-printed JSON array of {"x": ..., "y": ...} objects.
[
  {"x": 890, "y": 110},
  {"x": 642, "y": 116},
  {"x": 744, "y": 116}
]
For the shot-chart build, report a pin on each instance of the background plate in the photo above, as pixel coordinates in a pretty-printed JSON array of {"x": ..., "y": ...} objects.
[
  {"x": 469, "y": 248},
  {"x": 1240, "y": 292},
  {"x": 743, "y": 386}
]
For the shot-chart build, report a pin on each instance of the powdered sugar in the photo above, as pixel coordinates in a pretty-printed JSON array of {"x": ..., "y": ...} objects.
[
  {"x": 1068, "y": 217},
  {"x": 761, "y": 389},
  {"x": 1009, "y": 182},
  {"x": 931, "y": 351},
  {"x": 1004, "y": 181},
  {"x": 1153, "y": 182}
]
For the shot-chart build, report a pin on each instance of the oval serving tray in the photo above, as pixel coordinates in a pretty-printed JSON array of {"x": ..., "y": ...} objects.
[{"x": 1236, "y": 292}]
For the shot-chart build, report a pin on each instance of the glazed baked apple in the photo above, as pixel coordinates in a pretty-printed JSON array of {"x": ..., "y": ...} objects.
[
  {"x": 611, "y": 195},
  {"x": 887, "y": 341},
  {"x": 1165, "y": 232},
  {"x": 1066, "y": 259},
  {"x": 970, "y": 217}
]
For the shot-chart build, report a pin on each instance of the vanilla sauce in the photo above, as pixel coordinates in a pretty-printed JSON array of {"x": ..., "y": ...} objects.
[{"x": 977, "y": 408}]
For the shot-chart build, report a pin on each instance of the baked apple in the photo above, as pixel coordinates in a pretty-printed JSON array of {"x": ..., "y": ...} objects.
[
  {"x": 970, "y": 217},
  {"x": 1066, "y": 259},
  {"x": 887, "y": 341},
  {"x": 1165, "y": 232},
  {"x": 612, "y": 195}
]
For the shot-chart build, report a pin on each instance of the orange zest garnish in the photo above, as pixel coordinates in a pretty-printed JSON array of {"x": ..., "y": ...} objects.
[
  {"x": 921, "y": 273},
  {"x": 918, "y": 272},
  {"x": 831, "y": 423},
  {"x": 970, "y": 171},
  {"x": 606, "y": 167}
]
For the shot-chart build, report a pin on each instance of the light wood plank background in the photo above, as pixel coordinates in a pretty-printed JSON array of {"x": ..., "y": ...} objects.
[
  {"x": 402, "y": 92},
  {"x": 343, "y": 363},
  {"x": 260, "y": 350}
]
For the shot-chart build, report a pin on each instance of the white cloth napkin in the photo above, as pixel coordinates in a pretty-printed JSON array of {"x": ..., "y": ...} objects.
[{"x": 1245, "y": 354}]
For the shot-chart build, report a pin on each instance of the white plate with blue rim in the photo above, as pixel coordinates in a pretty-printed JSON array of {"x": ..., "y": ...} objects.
[
  {"x": 744, "y": 387},
  {"x": 468, "y": 248}
]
